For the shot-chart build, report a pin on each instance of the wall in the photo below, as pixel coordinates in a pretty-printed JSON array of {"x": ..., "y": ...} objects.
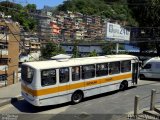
[{"x": 13, "y": 51}]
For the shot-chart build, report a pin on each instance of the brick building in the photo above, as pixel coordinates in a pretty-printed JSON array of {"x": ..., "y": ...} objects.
[{"x": 9, "y": 52}]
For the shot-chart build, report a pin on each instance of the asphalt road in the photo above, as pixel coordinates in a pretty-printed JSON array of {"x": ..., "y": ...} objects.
[{"x": 107, "y": 106}]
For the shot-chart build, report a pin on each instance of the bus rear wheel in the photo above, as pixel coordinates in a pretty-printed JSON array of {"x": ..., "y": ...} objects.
[
  {"x": 123, "y": 86},
  {"x": 77, "y": 97}
]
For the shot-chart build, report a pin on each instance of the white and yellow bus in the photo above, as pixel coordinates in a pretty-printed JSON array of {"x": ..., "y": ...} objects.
[{"x": 59, "y": 81}]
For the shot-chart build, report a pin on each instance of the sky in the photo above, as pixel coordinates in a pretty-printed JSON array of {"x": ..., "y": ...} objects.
[{"x": 40, "y": 3}]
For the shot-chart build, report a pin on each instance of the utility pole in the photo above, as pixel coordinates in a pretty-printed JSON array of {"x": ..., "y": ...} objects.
[
  {"x": 6, "y": 76},
  {"x": 117, "y": 47}
]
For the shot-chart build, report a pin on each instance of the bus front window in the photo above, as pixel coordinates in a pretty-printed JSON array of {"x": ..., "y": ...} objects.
[{"x": 27, "y": 74}]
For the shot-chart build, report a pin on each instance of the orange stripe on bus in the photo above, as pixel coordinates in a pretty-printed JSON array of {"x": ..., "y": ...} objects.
[
  {"x": 74, "y": 86},
  {"x": 28, "y": 90}
]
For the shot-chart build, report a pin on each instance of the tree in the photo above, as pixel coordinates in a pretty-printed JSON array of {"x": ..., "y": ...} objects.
[
  {"x": 30, "y": 7},
  {"x": 50, "y": 50},
  {"x": 147, "y": 13},
  {"x": 20, "y": 14},
  {"x": 75, "y": 51},
  {"x": 113, "y": 9},
  {"x": 107, "y": 48},
  {"x": 61, "y": 50},
  {"x": 92, "y": 54}
]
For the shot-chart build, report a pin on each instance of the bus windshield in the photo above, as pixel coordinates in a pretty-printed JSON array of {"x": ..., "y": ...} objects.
[{"x": 27, "y": 73}]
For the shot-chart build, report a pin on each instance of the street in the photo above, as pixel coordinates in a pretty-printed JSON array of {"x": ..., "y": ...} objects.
[{"x": 118, "y": 102}]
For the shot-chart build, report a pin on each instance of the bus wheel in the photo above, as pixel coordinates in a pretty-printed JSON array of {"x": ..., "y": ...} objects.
[
  {"x": 142, "y": 77},
  {"x": 77, "y": 97},
  {"x": 123, "y": 86}
]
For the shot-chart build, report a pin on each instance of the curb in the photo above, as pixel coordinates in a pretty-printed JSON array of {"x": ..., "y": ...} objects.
[{"x": 12, "y": 100}]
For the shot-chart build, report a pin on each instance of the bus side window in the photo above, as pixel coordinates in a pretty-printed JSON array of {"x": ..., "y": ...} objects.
[
  {"x": 64, "y": 75},
  {"x": 48, "y": 77},
  {"x": 88, "y": 71},
  {"x": 114, "y": 68},
  {"x": 126, "y": 66},
  {"x": 75, "y": 73},
  {"x": 102, "y": 69}
]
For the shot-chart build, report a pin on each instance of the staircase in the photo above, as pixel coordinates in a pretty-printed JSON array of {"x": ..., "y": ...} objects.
[{"x": 155, "y": 113}]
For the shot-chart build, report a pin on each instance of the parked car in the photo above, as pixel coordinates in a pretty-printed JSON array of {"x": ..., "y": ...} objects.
[{"x": 151, "y": 69}]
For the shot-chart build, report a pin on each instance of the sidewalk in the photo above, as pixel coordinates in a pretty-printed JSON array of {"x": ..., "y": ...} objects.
[{"x": 10, "y": 93}]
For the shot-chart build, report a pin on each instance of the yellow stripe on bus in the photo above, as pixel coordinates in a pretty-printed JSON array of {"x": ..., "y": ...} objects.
[{"x": 74, "y": 86}]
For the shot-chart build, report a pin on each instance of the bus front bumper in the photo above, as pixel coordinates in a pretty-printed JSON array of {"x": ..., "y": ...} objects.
[{"x": 32, "y": 101}]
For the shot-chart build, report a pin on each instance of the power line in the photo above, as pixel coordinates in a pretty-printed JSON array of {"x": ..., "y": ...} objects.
[
  {"x": 22, "y": 44},
  {"x": 17, "y": 39}
]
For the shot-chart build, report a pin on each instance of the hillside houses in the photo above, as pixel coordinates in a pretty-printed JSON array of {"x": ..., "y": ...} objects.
[{"x": 71, "y": 26}]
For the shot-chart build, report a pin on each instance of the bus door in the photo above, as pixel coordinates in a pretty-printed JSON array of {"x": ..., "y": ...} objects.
[
  {"x": 135, "y": 73},
  {"x": 63, "y": 87}
]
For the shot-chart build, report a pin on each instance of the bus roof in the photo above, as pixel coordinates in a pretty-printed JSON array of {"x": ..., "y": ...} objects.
[{"x": 77, "y": 61}]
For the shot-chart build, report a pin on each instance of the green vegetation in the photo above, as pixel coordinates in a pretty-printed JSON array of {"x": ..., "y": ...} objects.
[
  {"x": 108, "y": 47},
  {"x": 75, "y": 51},
  {"x": 92, "y": 54},
  {"x": 50, "y": 50},
  {"x": 147, "y": 14},
  {"x": 113, "y": 9},
  {"x": 20, "y": 14}
]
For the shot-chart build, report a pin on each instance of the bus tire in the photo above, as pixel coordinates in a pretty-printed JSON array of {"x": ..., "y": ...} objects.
[
  {"x": 142, "y": 77},
  {"x": 77, "y": 97},
  {"x": 123, "y": 86}
]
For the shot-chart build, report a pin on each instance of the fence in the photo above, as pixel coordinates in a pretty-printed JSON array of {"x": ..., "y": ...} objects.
[{"x": 152, "y": 102}]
